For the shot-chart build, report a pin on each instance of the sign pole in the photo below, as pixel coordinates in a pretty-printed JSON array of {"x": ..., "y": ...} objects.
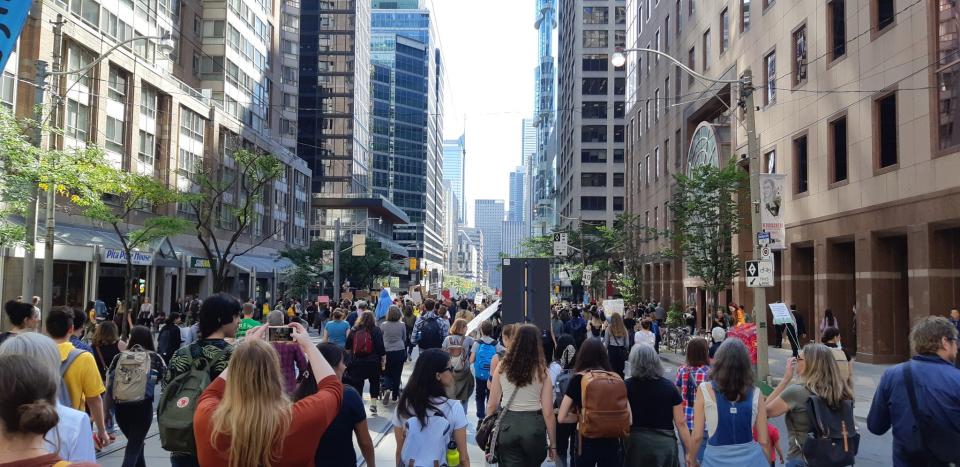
[{"x": 753, "y": 149}]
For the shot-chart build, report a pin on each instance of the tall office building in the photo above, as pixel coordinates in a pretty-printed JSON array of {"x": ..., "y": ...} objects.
[
  {"x": 515, "y": 210},
  {"x": 334, "y": 117},
  {"x": 591, "y": 124},
  {"x": 514, "y": 233},
  {"x": 476, "y": 238},
  {"x": 528, "y": 156},
  {"x": 488, "y": 218},
  {"x": 454, "y": 163},
  {"x": 407, "y": 127},
  {"x": 451, "y": 226},
  {"x": 223, "y": 88},
  {"x": 543, "y": 179}
]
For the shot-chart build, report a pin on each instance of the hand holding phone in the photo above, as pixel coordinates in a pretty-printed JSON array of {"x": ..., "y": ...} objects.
[{"x": 280, "y": 334}]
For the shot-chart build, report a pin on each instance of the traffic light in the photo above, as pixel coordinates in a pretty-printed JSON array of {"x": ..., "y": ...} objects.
[{"x": 142, "y": 284}]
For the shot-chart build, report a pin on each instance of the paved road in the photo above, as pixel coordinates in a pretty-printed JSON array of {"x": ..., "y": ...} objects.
[{"x": 874, "y": 451}]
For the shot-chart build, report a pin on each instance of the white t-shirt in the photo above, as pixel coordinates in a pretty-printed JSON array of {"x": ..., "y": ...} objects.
[
  {"x": 452, "y": 410},
  {"x": 644, "y": 337},
  {"x": 72, "y": 438}
]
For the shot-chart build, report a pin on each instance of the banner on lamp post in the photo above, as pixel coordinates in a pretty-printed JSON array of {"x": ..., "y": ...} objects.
[{"x": 772, "y": 209}]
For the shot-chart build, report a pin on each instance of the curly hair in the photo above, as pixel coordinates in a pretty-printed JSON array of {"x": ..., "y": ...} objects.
[{"x": 524, "y": 360}]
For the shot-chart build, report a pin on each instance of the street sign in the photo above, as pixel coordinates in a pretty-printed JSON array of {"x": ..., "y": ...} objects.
[
  {"x": 587, "y": 275},
  {"x": 759, "y": 273},
  {"x": 765, "y": 252},
  {"x": 763, "y": 238},
  {"x": 560, "y": 244}
]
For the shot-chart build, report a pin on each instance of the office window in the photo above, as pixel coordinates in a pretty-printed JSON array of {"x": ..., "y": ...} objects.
[
  {"x": 288, "y": 127},
  {"x": 593, "y": 203},
  {"x": 619, "y": 109},
  {"x": 595, "y": 15},
  {"x": 656, "y": 162},
  {"x": 948, "y": 72},
  {"x": 691, "y": 63},
  {"x": 213, "y": 28},
  {"x": 677, "y": 161},
  {"x": 885, "y": 115},
  {"x": 666, "y": 157},
  {"x": 676, "y": 17},
  {"x": 77, "y": 121},
  {"x": 593, "y": 109},
  {"x": 801, "y": 164},
  {"x": 646, "y": 105},
  {"x": 646, "y": 169},
  {"x": 690, "y": 7},
  {"x": 744, "y": 15},
  {"x": 595, "y": 39},
  {"x": 117, "y": 85},
  {"x": 618, "y": 179},
  {"x": 595, "y": 62},
  {"x": 838, "y": 149},
  {"x": 618, "y": 156},
  {"x": 706, "y": 50},
  {"x": 836, "y": 29},
  {"x": 147, "y": 151},
  {"x": 88, "y": 10},
  {"x": 620, "y": 38},
  {"x": 114, "y": 135},
  {"x": 767, "y": 3},
  {"x": 593, "y": 134},
  {"x": 656, "y": 219},
  {"x": 593, "y": 156},
  {"x": 656, "y": 46},
  {"x": 640, "y": 16},
  {"x": 677, "y": 76},
  {"x": 666, "y": 94},
  {"x": 799, "y": 62},
  {"x": 770, "y": 78},
  {"x": 621, "y": 14},
  {"x": 8, "y": 86},
  {"x": 884, "y": 14},
  {"x": 618, "y": 133},
  {"x": 593, "y": 179},
  {"x": 619, "y": 86},
  {"x": 594, "y": 86},
  {"x": 656, "y": 105},
  {"x": 724, "y": 30},
  {"x": 666, "y": 33},
  {"x": 618, "y": 203}
]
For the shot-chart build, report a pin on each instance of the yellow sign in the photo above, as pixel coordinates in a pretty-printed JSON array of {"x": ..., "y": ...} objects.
[{"x": 413, "y": 264}]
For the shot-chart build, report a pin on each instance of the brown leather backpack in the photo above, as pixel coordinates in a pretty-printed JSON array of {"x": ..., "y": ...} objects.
[{"x": 605, "y": 409}]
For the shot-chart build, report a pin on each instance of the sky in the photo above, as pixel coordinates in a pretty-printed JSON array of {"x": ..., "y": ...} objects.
[{"x": 490, "y": 51}]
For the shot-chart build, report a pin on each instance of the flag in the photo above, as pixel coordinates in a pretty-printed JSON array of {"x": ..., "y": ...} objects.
[
  {"x": 13, "y": 15},
  {"x": 383, "y": 304}
]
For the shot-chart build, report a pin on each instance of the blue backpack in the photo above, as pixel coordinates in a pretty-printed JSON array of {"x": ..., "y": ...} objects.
[{"x": 481, "y": 365}]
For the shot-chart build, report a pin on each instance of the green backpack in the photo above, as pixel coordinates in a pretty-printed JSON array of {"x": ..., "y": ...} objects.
[{"x": 178, "y": 402}]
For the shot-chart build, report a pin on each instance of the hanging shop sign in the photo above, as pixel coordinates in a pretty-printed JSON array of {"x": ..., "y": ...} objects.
[{"x": 138, "y": 258}]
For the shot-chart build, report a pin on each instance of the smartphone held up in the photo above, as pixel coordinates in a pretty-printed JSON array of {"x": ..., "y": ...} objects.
[{"x": 280, "y": 334}]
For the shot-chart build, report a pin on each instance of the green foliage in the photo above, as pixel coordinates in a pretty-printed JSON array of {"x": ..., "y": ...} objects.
[
  {"x": 706, "y": 217},
  {"x": 363, "y": 271},
  {"x": 458, "y": 284},
  {"x": 223, "y": 204},
  {"x": 630, "y": 288},
  {"x": 675, "y": 315}
]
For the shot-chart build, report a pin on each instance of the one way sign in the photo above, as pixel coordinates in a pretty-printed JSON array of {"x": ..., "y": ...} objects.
[{"x": 759, "y": 273}]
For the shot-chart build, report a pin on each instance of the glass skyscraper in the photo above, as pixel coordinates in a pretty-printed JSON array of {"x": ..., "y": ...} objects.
[
  {"x": 454, "y": 162},
  {"x": 407, "y": 126}
]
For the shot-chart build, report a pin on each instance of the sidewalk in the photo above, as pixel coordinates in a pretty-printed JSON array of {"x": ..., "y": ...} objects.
[{"x": 866, "y": 377}]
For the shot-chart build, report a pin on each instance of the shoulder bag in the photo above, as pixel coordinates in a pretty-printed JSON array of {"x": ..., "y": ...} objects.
[{"x": 490, "y": 428}]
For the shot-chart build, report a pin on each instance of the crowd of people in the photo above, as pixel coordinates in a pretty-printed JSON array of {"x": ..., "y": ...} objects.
[{"x": 229, "y": 388}]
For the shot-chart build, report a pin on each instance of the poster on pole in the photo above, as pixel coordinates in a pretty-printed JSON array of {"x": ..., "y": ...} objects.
[
  {"x": 613, "y": 306},
  {"x": 772, "y": 209}
]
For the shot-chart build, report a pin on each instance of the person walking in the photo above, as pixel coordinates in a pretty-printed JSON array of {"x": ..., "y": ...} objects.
[
  {"x": 920, "y": 399},
  {"x": 591, "y": 451},
  {"x": 717, "y": 336},
  {"x": 844, "y": 359},
  {"x": 656, "y": 408},
  {"x": 335, "y": 331},
  {"x": 28, "y": 411},
  {"x": 430, "y": 330},
  {"x": 820, "y": 377},
  {"x": 829, "y": 321},
  {"x": 365, "y": 347},
  {"x": 595, "y": 326},
  {"x": 690, "y": 376},
  {"x": 429, "y": 427},
  {"x": 135, "y": 417},
  {"x": 247, "y": 323},
  {"x": 71, "y": 438},
  {"x": 561, "y": 371},
  {"x": 145, "y": 316},
  {"x": 350, "y": 421},
  {"x": 169, "y": 338},
  {"x": 729, "y": 408},
  {"x": 292, "y": 360},
  {"x": 521, "y": 386},
  {"x": 617, "y": 341},
  {"x": 409, "y": 320},
  {"x": 458, "y": 345},
  {"x": 645, "y": 335},
  {"x": 395, "y": 344},
  {"x": 217, "y": 319},
  {"x": 481, "y": 357},
  {"x": 106, "y": 345},
  {"x": 245, "y": 419}
]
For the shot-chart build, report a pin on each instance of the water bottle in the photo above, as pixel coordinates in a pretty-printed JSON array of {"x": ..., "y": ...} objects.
[{"x": 453, "y": 454}]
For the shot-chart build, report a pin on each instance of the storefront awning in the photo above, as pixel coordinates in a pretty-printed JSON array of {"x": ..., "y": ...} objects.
[{"x": 262, "y": 264}]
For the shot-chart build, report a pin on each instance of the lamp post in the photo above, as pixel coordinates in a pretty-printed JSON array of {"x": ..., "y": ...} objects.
[
  {"x": 336, "y": 251},
  {"x": 746, "y": 88},
  {"x": 32, "y": 218}
]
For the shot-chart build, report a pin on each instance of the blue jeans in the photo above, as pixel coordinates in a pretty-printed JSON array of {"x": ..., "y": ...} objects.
[
  {"x": 183, "y": 460},
  {"x": 481, "y": 395}
]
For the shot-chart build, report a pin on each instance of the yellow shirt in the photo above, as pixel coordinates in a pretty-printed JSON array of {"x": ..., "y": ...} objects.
[{"x": 82, "y": 378}]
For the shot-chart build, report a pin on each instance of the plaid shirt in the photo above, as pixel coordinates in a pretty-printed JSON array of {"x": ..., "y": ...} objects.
[{"x": 697, "y": 375}]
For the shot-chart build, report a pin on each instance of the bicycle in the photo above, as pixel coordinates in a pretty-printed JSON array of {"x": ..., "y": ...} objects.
[{"x": 676, "y": 339}]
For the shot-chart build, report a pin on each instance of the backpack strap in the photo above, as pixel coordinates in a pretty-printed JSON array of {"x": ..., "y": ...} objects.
[
  {"x": 65, "y": 365},
  {"x": 912, "y": 395}
]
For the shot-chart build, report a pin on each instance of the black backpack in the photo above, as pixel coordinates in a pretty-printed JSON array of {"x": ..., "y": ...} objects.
[
  {"x": 833, "y": 440},
  {"x": 431, "y": 337}
]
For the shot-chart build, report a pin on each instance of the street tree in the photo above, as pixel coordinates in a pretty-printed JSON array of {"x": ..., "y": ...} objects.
[
  {"x": 133, "y": 195},
  {"x": 460, "y": 285},
  {"x": 706, "y": 217},
  {"x": 314, "y": 264},
  {"x": 223, "y": 204}
]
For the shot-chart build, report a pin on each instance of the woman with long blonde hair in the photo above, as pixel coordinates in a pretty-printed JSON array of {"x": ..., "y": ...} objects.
[
  {"x": 617, "y": 341},
  {"x": 246, "y": 419},
  {"x": 821, "y": 377}
]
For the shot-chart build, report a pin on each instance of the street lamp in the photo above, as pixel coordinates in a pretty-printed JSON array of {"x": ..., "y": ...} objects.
[
  {"x": 336, "y": 251},
  {"x": 165, "y": 47},
  {"x": 619, "y": 59}
]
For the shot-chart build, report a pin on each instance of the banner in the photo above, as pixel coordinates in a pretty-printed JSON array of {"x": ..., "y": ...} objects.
[
  {"x": 613, "y": 306},
  {"x": 13, "y": 15},
  {"x": 772, "y": 209},
  {"x": 137, "y": 258},
  {"x": 482, "y": 316}
]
